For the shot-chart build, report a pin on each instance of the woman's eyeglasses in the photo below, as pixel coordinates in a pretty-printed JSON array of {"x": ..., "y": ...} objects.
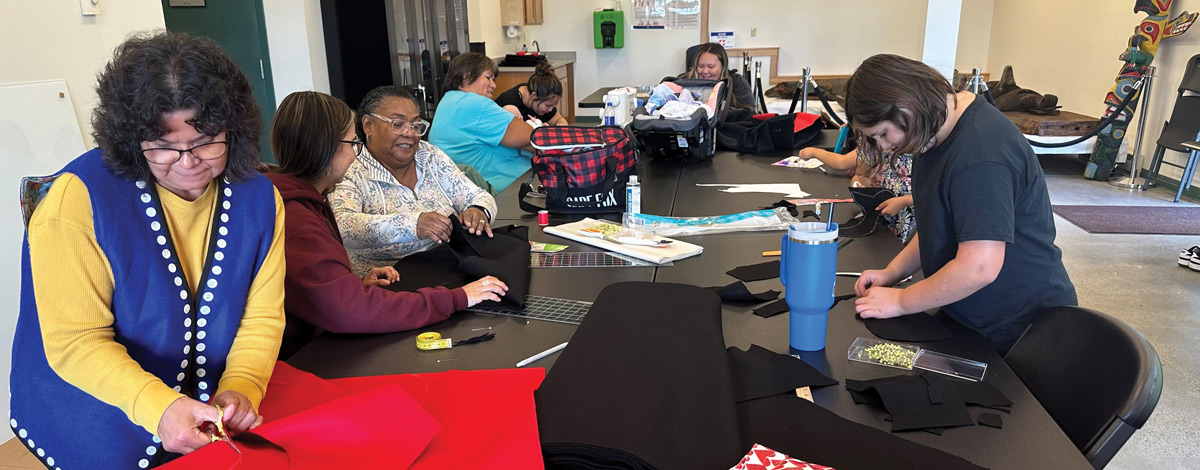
[
  {"x": 168, "y": 156},
  {"x": 419, "y": 127},
  {"x": 355, "y": 145}
]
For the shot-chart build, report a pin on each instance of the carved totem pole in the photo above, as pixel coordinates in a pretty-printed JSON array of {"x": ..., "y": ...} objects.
[{"x": 1142, "y": 47}]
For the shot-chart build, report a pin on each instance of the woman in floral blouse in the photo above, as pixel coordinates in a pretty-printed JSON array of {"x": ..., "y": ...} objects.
[{"x": 397, "y": 197}]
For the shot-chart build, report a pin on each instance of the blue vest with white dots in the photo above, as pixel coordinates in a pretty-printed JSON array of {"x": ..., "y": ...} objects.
[{"x": 180, "y": 337}]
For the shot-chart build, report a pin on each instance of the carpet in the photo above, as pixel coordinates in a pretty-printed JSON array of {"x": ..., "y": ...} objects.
[{"x": 1152, "y": 220}]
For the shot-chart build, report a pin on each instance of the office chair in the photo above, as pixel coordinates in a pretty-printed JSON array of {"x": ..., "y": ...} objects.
[
  {"x": 690, "y": 57},
  {"x": 1181, "y": 129},
  {"x": 1099, "y": 378}
]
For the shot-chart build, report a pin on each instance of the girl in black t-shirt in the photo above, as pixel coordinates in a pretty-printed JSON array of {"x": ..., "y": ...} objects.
[{"x": 536, "y": 99}]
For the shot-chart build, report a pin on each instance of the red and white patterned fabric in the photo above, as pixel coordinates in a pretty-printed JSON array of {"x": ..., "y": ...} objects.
[{"x": 764, "y": 458}]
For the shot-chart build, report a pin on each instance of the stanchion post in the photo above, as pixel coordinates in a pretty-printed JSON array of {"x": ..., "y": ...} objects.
[
  {"x": 804, "y": 97},
  {"x": 1130, "y": 182}
]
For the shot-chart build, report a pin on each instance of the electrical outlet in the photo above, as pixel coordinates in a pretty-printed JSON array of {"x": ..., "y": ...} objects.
[
  {"x": 753, "y": 32},
  {"x": 89, "y": 7}
]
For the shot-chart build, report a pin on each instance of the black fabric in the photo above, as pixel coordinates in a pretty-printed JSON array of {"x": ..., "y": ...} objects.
[
  {"x": 909, "y": 402},
  {"x": 513, "y": 97},
  {"x": 774, "y": 308},
  {"x": 738, "y": 292},
  {"x": 468, "y": 257},
  {"x": 743, "y": 133},
  {"x": 868, "y": 201},
  {"x": 779, "y": 306},
  {"x": 984, "y": 394},
  {"x": 991, "y": 420},
  {"x": 759, "y": 372},
  {"x": 673, "y": 407},
  {"x": 806, "y": 431},
  {"x": 756, "y": 272},
  {"x": 792, "y": 209},
  {"x": 916, "y": 327},
  {"x": 839, "y": 298},
  {"x": 984, "y": 183}
]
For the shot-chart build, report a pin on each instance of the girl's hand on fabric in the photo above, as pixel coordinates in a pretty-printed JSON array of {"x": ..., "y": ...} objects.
[
  {"x": 476, "y": 222},
  {"x": 880, "y": 302},
  {"x": 534, "y": 122},
  {"x": 892, "y": 206},
  {"x": 871, "y": 278},
  {"x": 433, "y": 226},
  {"x": 239, "y": 413},
  {"x": 807, "y": 153},
  {"x": 487, "y": 288},
  {"x": 381, "y": 276},
  {"x": 179, "y": 427}
]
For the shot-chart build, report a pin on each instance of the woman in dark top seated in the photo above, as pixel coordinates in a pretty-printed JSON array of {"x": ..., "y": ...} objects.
[
  {"x": 537, "y": 98},
  {"x": 313, "y": 138},
  {"x": 985, "y": 232},
  {"x": 712, "y": 63}
]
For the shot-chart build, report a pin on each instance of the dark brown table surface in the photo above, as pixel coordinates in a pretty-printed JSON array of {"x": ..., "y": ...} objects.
[{"x": 1029, "y": 437}]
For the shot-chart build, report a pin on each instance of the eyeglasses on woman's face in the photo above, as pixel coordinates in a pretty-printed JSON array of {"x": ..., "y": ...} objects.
[
  {"x": 418, "y": 127},
  {"x": 355, "y": 145},
  {"x": 168, "y": 156}
]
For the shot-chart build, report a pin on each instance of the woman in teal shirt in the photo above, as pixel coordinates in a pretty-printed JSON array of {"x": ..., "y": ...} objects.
[{"x": 473, "y": 130}]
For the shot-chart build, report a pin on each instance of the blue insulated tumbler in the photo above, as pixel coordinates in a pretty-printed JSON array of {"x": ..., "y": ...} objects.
[{"x": 808, "y": 264}]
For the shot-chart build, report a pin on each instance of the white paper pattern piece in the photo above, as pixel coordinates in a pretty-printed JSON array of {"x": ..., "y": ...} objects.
[
  {"x": 666, "y": 14},
  {"x": 789, "y": 190}
]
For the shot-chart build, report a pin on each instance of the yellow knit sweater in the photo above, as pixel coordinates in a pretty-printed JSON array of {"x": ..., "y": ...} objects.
[{"x": 73, "y": 285}]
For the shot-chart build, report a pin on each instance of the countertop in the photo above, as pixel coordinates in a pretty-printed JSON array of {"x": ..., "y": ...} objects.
[{"x": 555, "y": 58}]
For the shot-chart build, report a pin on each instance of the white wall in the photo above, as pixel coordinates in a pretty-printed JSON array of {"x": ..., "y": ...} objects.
[
  {"x": 1067, "y": 48},
  {"x": 825, "y": 35},
  {"x": 52, "y": 40},
  {"x": 1077, "y": 59},
  {"x": 48, "y": 40},
  {"x": 297, "y": 44}
]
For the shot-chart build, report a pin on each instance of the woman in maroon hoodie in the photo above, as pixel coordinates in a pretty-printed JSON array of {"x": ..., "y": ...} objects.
[{"x": 313, "y": 138}]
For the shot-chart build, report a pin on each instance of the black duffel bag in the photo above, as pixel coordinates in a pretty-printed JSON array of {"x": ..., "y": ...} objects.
[{"x": 743, "y": 131}]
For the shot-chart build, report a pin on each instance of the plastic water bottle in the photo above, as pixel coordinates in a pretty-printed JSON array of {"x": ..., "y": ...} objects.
[
  {"x": 633, "y": 196},
  {"x": 610, "y": 113}
]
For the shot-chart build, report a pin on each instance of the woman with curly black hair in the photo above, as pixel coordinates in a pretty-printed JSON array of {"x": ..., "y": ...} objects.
[{"x": 152, "y": 278}]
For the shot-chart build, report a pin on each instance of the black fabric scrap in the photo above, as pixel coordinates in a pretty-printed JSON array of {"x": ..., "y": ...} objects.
[
  {"x": 839, "y": 298},
  {"x": 759, "y": 372},
  {"x": 805, "y": 430},
  {"x": 468, "y": 257},
  {"x": 984, "y": 394},
  {"x": 756, "y": 272},
  {"x": 738, "y": 292},
  {"x": 916, "y": 327},
  {"x": 907, "y": 400},
  {"x": 868, "y": 201},
  {"x": 991, "y": 420},
  {"x": 774, "y": 308}
]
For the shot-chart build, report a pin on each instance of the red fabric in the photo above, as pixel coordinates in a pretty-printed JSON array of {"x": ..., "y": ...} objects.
[
  {"x": 456, "y": 419},
  {"x": 761, "y": 457},
  {"x": 322, "y": 290},
  {"x": 803, "y": 120},
  {"x": 764, "y": 116}
]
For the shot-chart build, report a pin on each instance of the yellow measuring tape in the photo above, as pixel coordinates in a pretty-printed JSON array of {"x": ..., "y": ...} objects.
[{"x": 432, "y": 340}]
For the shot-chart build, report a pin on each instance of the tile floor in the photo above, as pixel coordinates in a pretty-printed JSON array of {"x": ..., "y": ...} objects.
[
  {"x": 1136, "y": 278},
  {"x": 1132, "y": 277}
]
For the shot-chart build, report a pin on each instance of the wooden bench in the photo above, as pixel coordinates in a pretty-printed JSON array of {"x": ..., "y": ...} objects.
[{"x": 1065, "y": 123}]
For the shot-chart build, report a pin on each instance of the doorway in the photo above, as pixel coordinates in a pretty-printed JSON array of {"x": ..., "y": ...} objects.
[{"x": 239, "y": 28}]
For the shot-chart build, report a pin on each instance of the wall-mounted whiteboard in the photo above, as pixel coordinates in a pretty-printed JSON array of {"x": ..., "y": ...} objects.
[{"x": 39, "y": 134}]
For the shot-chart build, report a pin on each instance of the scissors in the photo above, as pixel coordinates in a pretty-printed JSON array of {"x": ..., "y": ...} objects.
[{"x": 217, "y": 430}]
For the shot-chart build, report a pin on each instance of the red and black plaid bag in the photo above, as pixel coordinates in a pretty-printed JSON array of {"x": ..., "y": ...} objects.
[{"x": 582, "y": 169}]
